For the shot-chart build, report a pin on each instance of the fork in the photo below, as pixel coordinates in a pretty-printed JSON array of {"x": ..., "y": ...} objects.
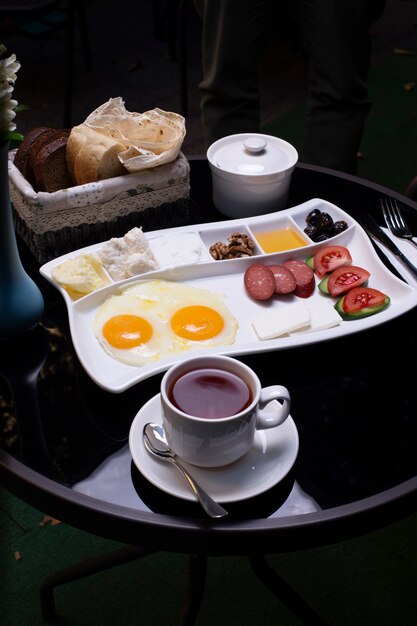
[{"x": 395, "y": 221}]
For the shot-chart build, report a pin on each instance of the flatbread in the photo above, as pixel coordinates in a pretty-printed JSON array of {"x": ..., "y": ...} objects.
[{"x": 151, "y": 138}]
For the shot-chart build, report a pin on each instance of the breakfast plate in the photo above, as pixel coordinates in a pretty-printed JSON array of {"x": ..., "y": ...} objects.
[
  {"x": 267, "y": 463},
  {"x": 224, "y": 290}
]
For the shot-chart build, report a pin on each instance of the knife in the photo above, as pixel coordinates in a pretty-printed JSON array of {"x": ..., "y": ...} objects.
[{"x": 373, "y": 229}]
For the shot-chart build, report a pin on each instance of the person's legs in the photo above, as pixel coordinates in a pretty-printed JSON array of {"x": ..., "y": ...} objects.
[
  {"x": 234, "y": 33},
  {"x": 337, "y": 39}
]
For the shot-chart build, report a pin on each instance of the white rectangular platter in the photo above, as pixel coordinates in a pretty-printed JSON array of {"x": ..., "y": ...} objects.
[{"x": 226, "y": 277}]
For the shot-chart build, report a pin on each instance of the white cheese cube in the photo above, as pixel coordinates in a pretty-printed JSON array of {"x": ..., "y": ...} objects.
[
  {"x": 323, "y": 315},
  {"x": 280, "y": 321}
]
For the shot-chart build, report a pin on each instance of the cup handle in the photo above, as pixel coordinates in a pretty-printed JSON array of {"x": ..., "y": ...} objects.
[{"x": 271, "y": 412}]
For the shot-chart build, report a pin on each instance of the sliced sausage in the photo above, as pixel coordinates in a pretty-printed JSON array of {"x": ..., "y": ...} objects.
[
  {"x": 304, "y": 277},
  {"x": 284, "y": 279},
  {"x": 259, "y": 282}
]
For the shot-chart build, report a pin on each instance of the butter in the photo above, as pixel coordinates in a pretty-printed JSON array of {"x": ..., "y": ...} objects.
[{"x": 80, "y": 275}]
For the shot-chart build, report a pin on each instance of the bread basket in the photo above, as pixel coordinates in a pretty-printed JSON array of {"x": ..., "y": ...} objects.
[{"x": 52, "y": 224}]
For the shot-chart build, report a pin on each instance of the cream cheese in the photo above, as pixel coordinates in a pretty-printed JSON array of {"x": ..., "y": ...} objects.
[{"x": 178, "y": 249}]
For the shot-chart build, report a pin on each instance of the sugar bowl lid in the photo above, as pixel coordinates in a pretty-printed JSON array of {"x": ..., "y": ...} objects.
[{"x": 252, "y": 154}]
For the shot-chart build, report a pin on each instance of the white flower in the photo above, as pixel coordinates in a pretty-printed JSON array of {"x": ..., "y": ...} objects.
[{"x": 8, "y": 69}]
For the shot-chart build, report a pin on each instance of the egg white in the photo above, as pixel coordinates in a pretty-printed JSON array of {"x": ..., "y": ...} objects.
[
  {"x": 124, "y": 304},
  {"x": 157, "y": 301},
  {"x": 184, "y": 296}
]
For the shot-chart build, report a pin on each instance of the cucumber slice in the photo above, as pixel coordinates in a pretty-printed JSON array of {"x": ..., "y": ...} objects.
[
  {"x": 323, "y": 286},
  {"x": 370, "y": 310}
]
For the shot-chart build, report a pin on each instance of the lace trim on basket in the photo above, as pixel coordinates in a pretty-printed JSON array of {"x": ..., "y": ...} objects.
[{"x": 40, "y": 222}]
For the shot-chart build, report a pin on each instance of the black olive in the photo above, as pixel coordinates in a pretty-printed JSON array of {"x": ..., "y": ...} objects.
[
  {"x": 325, "y": 223},
  {"x": 311, "y": 231},
  {"x": 339, "y": 227},
  {"x": 320, "y": 237},
  {"x": 312, "y": 217},
  {"x": 315, "y": 234}
]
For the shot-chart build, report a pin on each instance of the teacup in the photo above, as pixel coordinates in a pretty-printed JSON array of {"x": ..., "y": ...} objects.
[{"x": 212, "y": 407}]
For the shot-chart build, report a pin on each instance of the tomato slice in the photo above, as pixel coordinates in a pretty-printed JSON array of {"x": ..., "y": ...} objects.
[
  {"x": 343, "y": 279},
  {"x": 330, "y": 258},
  {"x": 360, "y": 298}
]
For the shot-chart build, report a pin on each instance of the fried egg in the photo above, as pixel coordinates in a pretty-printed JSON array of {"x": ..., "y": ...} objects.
[
  {"x": 152, "y": 319},
  {"x": 130, "y": 332}
]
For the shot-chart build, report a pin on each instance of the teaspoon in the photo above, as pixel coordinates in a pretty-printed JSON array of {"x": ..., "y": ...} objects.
[{"x": 156, "y": 443}]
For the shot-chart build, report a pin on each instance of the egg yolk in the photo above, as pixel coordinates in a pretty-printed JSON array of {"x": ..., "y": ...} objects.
[
  {"x": 127, "y": 331},
  {"x": 197, "y": 323}
]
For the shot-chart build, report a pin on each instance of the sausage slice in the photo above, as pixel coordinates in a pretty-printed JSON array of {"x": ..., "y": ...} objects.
[
  {"x": 284, "y": 279},
  {"x": 259, "y": 282},
  {"x": 304, "y": 277}
]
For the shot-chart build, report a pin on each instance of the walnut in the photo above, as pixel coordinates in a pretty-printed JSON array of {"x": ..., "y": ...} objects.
[
  {"x": 240, "y": 245},
  {"x": 242, "y": 240},
  {"x": 215, "y": 251}
]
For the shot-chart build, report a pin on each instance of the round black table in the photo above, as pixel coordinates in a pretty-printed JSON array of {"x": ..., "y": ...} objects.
[{"x": 354, "y": 401}]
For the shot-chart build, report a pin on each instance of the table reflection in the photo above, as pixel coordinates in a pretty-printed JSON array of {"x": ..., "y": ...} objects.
[
  {"x": 353, "y": 401},
  {"x": 53, "y": 417}
]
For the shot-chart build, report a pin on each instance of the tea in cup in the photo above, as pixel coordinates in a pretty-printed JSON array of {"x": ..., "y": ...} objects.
[{"x": 212, "y": 407}]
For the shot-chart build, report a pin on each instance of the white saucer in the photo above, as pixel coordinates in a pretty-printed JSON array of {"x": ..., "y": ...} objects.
[{"x": 267, "y": 462}]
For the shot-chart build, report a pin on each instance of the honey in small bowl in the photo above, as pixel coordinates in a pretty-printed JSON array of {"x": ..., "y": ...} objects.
[{"x": 280, "y": 239}]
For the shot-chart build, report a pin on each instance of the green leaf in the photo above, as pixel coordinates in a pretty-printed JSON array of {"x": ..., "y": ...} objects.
[
  {"x": 16, "y": 136},
  {"x": 7, "y": 135}
]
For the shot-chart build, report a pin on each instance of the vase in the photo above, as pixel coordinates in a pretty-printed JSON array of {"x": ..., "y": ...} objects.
[{"x": 21, "y": 302}]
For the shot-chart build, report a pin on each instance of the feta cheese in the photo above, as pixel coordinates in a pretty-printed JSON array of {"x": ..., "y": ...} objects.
[
  {"x": 127, "y": 256},
  {"x": 323, "y": 315},
  {"x": 278, "y": 322}
]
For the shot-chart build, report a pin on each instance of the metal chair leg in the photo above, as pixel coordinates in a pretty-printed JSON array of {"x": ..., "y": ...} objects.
[
  {"x": 85, "y": 42},
  {"x": 284, "y": 591},
  {"x": 183, "y": 59},
  {"x": 69, "y": 60},
  {"x": 99, "y": 563},
  {"x": 196, "y": 584},
  {"x": 74, "y": 7}
]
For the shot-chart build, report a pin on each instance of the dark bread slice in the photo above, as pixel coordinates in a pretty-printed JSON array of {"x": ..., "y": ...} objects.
[
  {"x": 21, "y": 159},
  {"x": 37, "y": 146},
  {"x": 49, "y": 165}
]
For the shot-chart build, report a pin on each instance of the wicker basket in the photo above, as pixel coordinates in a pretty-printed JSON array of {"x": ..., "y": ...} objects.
[{"x": 52, "y": 224}]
